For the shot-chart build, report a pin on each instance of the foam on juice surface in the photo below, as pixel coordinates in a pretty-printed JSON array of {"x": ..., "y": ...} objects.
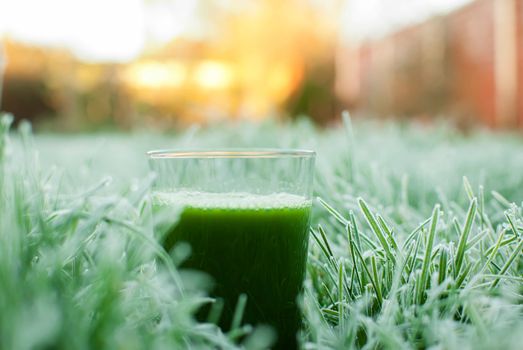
[{"x": 231, "y": 200}]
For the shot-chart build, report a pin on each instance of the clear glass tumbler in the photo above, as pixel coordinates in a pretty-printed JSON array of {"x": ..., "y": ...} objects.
[{"x": 245, "y": 214}]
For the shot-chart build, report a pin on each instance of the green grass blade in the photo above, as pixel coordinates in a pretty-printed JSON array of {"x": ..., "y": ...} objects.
[
  {"x": 325, "y": 241},
  {"x": 460, "y": 253},
  {"x": 333, "y": 212},
  {"x": 501, "y": 200},
  {"x": 427, "y": 259},
  {"x": 349, "y": 131},
  {"x": 414, "y": 232},
  {"x": 388, "y": 232},
  {"x": 352, "y": 244},
  {"x": 468, "y": 188},
  {"x": 371, "y": 220},
  {"x": 354, "y": 226},
  {"x": 512, "y": 257},
  {"x": 340, "y": 295},
  {"x": 461, "y": 278},
  {"x": 442, "y": 268},
  {"x": 376, "y": 278}
]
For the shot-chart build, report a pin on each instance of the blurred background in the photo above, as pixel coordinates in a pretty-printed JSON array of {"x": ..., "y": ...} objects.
[{"x": 81, "y": 65}]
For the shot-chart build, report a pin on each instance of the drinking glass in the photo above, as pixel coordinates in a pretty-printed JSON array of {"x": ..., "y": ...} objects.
[{"x": 245, "y": 213}]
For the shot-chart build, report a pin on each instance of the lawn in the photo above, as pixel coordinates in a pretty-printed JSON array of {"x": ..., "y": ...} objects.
[{"x": 416, "y": 240}]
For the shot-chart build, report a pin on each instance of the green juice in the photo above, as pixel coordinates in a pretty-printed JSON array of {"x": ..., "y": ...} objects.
[{"x": 251, "y": 244}]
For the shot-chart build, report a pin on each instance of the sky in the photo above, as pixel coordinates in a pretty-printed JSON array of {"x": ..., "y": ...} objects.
[
  {"x": 92, "y": 29},
  {"x": 97, "y": 30},
  {"x": 119, "y": 30}
]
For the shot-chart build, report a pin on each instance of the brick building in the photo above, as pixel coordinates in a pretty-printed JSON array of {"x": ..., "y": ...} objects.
[{"x": 467, "y": 64}]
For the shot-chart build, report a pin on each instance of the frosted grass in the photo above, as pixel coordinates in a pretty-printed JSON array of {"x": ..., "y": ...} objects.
[{"x": 416, "y": 241}]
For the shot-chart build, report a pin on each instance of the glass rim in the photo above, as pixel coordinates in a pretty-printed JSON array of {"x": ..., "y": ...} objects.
[{"x": 231, "y": 153}]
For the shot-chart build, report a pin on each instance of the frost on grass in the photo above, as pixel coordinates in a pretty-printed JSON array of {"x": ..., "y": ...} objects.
[{"x": 406, "y": 252}]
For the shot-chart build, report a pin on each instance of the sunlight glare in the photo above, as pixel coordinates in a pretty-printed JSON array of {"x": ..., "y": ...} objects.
[
  {"x": 213, "y": 75},
  {"x": 152, "y": 74}
]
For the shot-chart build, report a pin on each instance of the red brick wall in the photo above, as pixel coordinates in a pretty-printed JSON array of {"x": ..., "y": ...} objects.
[
  {"x": 519, "y": 48},
  {"x": 446, "y": 65},
  {"x": 471, "y": 57}
]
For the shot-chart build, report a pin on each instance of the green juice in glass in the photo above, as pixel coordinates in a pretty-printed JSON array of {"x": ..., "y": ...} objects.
[{"x": 251, "y": 244}]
